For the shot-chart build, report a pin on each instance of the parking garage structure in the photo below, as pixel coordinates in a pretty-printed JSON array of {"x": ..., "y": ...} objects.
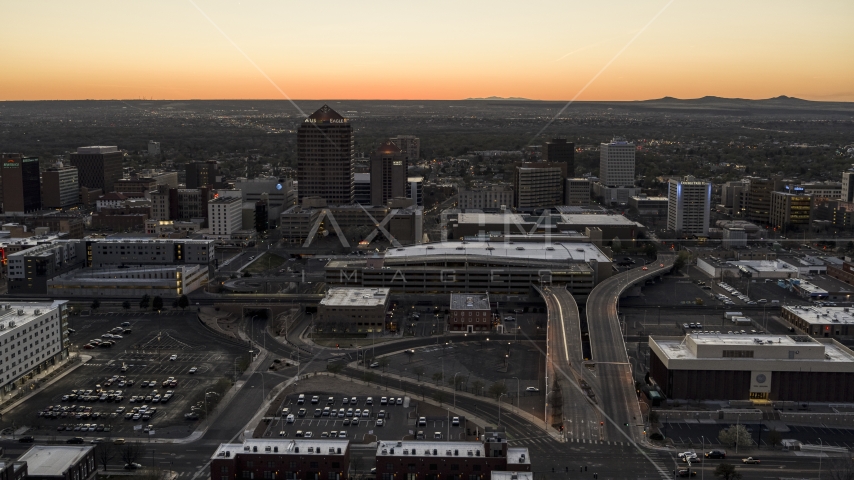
[
  {"x": 498, "y": 268},
  {"x": 761, "y": 368}
]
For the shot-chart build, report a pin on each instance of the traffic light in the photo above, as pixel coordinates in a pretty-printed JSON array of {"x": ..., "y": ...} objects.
[
  {"x": 337, "y": 346},
  {"x": 601, "y": 423},
  {"x": 561, "y": 428},
  {"x": 626, "y": 424}
]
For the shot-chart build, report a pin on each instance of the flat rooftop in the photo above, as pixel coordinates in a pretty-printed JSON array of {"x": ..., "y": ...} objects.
[
  {"x": 822, "y": 315},
  {"x": 765, "y": 266},
  {"x": 752, "y": 352},
  {"x": 23, "y": 313},
  {"x": 53, "y": 460},
  {"x": 597, "y": 219},
  {"x": 570, "y": 252},
  {"x": 430, "y": 448},
  {"x": 518, "y": 456},
  {"x": 320, "y": 446},
  {"x": 134, "y": 239},
  {"x": 356, "y": 297},
  {"x": 469, "y": 301},
  {"x": 499, "y": 475}
]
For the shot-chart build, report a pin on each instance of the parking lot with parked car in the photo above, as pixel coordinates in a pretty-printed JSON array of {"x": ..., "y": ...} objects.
[
  {"x": 149, "y": 378},
  {"x": 359, "y": 418}
]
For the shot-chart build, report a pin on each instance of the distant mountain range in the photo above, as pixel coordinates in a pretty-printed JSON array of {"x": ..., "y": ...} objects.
[
  {"x": 500, "y": 98},
  {"x": 781, "y": 100}
]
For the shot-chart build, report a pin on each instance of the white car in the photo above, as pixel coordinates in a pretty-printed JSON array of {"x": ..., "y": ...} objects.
[
  {"x": 291, "y": 418},
  {"x": 173, "y": 358},
  {"x": 532, "y": 389},
  {"x": 455, "y": 421},
  {"x": 342, "y": 434},
  {"x": 194, "y": 370},
  {"x": 308, "y": 435}
]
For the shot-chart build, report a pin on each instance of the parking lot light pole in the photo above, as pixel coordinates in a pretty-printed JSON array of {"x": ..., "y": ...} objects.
[{"x": 518, "y": 403}]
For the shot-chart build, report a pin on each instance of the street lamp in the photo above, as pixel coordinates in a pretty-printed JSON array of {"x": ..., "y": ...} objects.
[
  {"x": 499, "y": 407},
  {"x": 518, "y": 402}
]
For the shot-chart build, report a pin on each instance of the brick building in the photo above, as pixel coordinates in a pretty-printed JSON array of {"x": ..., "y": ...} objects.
[
  {"x": 469, "y": 312},
  {"x": 308, "y": 459}
]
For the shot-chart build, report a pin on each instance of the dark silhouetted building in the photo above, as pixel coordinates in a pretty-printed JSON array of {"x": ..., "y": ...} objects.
[
  {"x": 60, "y": 187},
  {"x": 200, "y": 174},
  {"x": 21, "y": 184},
  {"x": 559, "y": 150},
  {"x": 388, "y": 173},
  {"x": 98, "y": 167},
  {"x": 325, "y": 157}
]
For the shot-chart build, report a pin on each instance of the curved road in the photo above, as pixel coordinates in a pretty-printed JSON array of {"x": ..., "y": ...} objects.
[{"x": 612, "y": 378}]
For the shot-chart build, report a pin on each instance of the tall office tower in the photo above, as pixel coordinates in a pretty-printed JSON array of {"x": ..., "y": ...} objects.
[
  {"x": 362, "y": 188},
  {"x": 153, "y": 148},
  {"x": 559, "y": 150},
  {"x": 847, "y": 187},
  {"x": 688, "y": 206},
  {"x": 200, "y": 174},
  {"x": 224, "y": 215},
  {"x": 98, "y": 167},
  {"x": 759, "y": 198},
  {"x": 388, "y": 173},
  {"x": 617, "y": 163},
  {"x": 21, "y": 184},
  {"x": 325, "y": 157},
  {"x": 539, "y": 184},
  {"x": 411, "y": 146},
  {"x": 60, "y": 187},
  {"x": 416, "y": 190},
  {"x": 732, "y": 196}
]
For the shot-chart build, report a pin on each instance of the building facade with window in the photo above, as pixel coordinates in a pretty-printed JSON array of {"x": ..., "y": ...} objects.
[
  {"x": 269, "y": 459},
  {"x": 60, "y": 462},
  {"x": 756, "y": 367},
  {"x": 33, "y": 336},
  {"x": 469, "y": 312}
]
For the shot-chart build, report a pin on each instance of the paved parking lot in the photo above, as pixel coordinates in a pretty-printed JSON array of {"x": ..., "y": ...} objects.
[
  {"x": 145, "y": 355},
  {"x": 691, "y": 433},
  {"x": 399, "y": 422}
]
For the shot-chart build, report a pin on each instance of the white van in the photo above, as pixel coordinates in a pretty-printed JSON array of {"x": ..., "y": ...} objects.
[{"x": 301, "y": 399}]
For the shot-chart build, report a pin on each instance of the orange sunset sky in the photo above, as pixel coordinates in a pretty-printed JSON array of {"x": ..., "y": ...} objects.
[{"x": 87, "y": 49}]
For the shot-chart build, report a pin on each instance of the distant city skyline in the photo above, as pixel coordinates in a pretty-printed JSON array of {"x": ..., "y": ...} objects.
[{"x": 547, "y": 50}]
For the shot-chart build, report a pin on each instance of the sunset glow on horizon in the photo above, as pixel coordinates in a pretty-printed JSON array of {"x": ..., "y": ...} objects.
[{"x": 547, "y": 50}]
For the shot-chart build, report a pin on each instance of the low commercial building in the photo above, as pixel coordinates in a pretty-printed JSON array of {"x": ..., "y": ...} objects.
[
  {"x": 35, "y": 336},
  {"x": 501, "y": 268},
  {"x": 60, "y": 462},
  {"x": 297, "y": 459},
  {"x": 172, "y": 228},
  {"x": 434, "y": 460},
  {"x": 13, "y": 470},
  {"x": 166, "y": 281},
  {"x": 400, "y": 217},
  {"x": 806, "y": 265},
  {"x": 469, "y": 312},
  {"x": 820, "y": 321},
  {"x": 494, "y": 197},
  {"x": 774, "y": 269},
  {"x": 483, "y": 224},
  {"x": 353, "y": 310},
  {"x": 649, "y": 205},
  {"x": 754, "y": 367}
]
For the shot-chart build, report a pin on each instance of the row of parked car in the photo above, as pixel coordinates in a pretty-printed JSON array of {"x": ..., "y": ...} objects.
[{"x": 315, "y": 399}]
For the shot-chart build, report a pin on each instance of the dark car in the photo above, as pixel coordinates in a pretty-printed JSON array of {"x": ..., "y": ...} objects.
[
  {"x": 684, "y": 472},
  {"x": 716, "y": 454},
  {"x": 75, "y": 440},
  {"x": 27, "y": 439}
]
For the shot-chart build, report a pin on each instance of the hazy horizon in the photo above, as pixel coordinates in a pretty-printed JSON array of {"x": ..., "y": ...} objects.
[{"x": 548, "y": 50}]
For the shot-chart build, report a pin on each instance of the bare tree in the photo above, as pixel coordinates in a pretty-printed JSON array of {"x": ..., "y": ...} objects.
[
  {"x": 419, "y": 372},
  {"x": 131, "y": 452},
  {"x": 841, "y": 468},
  {"x": 105, "y": 452}
]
